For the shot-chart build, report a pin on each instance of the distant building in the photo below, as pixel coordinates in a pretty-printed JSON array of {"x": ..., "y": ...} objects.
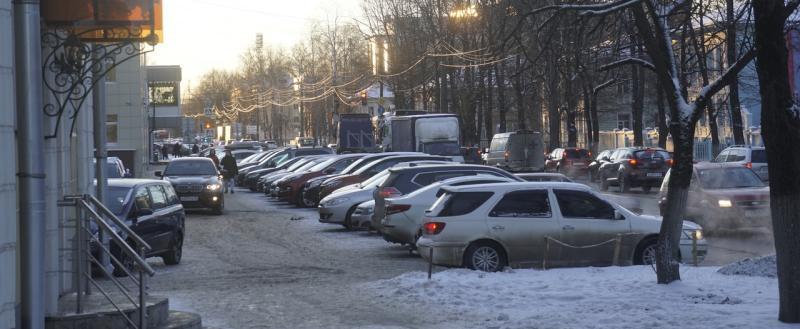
[
  {"x": 126, "y": 114},
  {"x": 164, "y": 86}
]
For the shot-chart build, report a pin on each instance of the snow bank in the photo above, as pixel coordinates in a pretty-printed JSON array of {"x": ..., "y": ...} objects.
[
  {"x": 761, "y": 266},
  {"x": 612, "y": 297}
]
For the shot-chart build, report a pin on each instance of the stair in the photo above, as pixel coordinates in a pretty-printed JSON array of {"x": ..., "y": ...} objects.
[{"x": 98, "y": 313}]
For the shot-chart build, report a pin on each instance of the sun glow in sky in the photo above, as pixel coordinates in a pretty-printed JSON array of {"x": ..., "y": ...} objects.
[{"x": 200, "y": 35}]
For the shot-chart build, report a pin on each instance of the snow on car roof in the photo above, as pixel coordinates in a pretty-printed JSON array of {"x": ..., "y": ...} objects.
[{"x": 515, "y": 186}]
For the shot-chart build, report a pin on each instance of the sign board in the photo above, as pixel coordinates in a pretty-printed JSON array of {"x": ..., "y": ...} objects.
[
  {"x": 252, "y": 129},
  {"x": 107, "y": 20}
]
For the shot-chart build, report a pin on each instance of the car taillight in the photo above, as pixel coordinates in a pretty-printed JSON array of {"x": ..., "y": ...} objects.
[
  {"x": 505, "y": 155},
  {"x": 748, "y": 165},
  {"x": 669, "y": 162},
  {"x": 397, "y": 208},
  {"x": 633, "y": 162},
  {"x": 388, "y": 192},
  {"x": 433, "y": 228}
]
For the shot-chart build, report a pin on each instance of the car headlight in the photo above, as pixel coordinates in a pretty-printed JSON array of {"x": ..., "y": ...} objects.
[
  {"x": 694, "y": 234},
  {"x": 725, "y": 203},
  {"x": 336, "y": 201},
  {"x": 212, "y": 187}
]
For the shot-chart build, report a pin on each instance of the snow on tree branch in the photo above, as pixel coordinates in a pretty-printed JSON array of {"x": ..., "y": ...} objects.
[{"x": 626, "y": 61}]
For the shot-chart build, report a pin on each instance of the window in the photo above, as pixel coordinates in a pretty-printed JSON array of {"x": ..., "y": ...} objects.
[
  {"x": 158, "y": 196},
  {"x": 111, "y": 128},
  {"x": 528, "y": 204},
  {"x": 758, "y": 156},
  {"x": 142, "y": 199},
  {"x": 431, "y": 177},
  {"x": 498, "y": 145},
  {"x": 722, "y": 156},
  {"x": 623, "y": 120},
  {"x": 172, "y": 198},
  {"x": 200, "y": 167},
  {"x": 463, "y": 203},
  {"x": 580, "y": 204}
]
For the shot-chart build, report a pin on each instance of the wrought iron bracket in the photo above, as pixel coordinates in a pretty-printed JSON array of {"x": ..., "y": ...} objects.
[{"x": 72, "y": 67}]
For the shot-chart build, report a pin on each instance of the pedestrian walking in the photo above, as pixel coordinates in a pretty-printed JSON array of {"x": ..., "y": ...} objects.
[
  {"x": 176, "y": 150},
  {"x": 195, "y": 149},
  {"x": 213, "y": 156},
  {"x": 229, "y": 170},
  {"x": 164, "y": 152}
]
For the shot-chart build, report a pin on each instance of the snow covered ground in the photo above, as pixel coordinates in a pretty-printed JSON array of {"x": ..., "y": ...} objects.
[{"x": 612, "y": 297}]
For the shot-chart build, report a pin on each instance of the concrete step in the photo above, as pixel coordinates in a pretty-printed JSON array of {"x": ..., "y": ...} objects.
[
  {"x": 182, "y": 320},
  {"x": 98, "y": 313}
]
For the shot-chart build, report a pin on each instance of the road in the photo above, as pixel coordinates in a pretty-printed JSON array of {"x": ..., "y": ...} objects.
[
  {"x": 264, "y": 265},
  {"x": 267, "y": 265}
]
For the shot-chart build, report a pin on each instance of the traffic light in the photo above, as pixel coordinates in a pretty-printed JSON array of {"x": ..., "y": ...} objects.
[{"x": 364, "y": 97}]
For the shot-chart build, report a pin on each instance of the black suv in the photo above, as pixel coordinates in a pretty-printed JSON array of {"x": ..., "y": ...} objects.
[
  {"x": 197, "y": 182},
  {"x": 635, "y": 167}
]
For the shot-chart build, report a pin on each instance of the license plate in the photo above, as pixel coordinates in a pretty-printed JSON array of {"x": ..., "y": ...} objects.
[
  {"x": 756, "y": 213},
  {"x": 189, "y": 198},
  {"x": 654, "y": 174}
]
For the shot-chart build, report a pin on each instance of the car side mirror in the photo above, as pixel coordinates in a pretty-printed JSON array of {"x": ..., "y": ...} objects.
[
  {"x": 159, "y": 174},
  {"x": 618, "y": 215}
]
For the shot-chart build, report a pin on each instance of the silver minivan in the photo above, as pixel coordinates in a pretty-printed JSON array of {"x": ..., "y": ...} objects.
[{"x": 517, "y": 151}]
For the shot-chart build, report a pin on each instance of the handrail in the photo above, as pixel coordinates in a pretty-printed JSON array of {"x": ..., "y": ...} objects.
[
  {"x": 100, "y": 206},
  {"x": 120, "y": 241}
]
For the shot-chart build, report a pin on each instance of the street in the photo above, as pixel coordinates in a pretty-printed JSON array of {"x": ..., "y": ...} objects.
[{"x": 264, "y": 264}]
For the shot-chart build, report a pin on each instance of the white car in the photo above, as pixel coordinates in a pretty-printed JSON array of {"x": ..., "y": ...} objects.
[
  {"x": 487, "y": 227},
  {"x": 362, "y": 217},
  {"x": 403, "y": 220}
]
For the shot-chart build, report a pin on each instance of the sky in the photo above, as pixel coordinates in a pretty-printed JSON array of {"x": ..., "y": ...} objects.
[{"x": 200, "y": 35}]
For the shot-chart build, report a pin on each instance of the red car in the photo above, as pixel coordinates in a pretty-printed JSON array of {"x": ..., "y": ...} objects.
[
  {"x": 569, "y": 161},
  {"x": 290, "y": 188}
]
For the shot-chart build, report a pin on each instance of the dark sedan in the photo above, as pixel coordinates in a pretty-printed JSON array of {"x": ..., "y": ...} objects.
[
  {"x": 291, "y": 188},
  {"x": 153, "y": 211},
  {"x": 197, "y": 182}
]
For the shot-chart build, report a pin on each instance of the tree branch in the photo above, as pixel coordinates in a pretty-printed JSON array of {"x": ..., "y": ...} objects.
[
  {"x": 725, "y": 79},
  {"x": 599, "y": 87},
  {"x": 631, "y": 60}
]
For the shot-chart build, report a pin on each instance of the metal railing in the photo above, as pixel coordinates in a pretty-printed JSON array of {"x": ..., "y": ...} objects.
[{"x": 128, "y": 260}]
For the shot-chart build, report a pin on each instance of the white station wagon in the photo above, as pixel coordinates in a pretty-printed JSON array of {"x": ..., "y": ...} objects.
[{"x": 487, "y": 227}]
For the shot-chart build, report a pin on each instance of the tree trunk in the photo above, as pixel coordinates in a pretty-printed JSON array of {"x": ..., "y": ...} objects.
[
  {"x": 587, "y": 117},
  {"x": 733, "y": 88},
  {"x": 595, "y": 121},
  {"x": 536, "y": 105},
  {"x": 502, "y": 107},
  {"x": 569, "y": 96},
  {"x": 521, "y": 125},
  {"x": 553, "y": 115},
  {"x": 481, "y": 104},
  {"x": 712, "y": 125},
  {"x": 637, "y": 91},
  {"x": 780, "y": 126},
  {"x": 487, "y": 119},
  {"x": 663, "y": 128}
]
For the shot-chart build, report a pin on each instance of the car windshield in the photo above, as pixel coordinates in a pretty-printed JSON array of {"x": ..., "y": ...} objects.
[
  {"x": 241, "y": 155},
  {"x": 289, "y": 163},
  {"x": 190, "y": 168},
  {"x": 651, "y": 154},
  {"x": 375, "y": 180},
  {"x": 115, "y": 198},
  {"x": 576, "y": 153},
  {"x": 758, "y": 156},
  {"x": 306, "y": 166},
  {"x": 322, "y": 165},
  {"x": 724, "y": 178},
  {"x": 298, "y": 164},
  {"x": 442, "y": 148}
]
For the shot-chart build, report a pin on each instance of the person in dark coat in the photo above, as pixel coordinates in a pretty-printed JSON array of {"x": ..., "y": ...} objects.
[
  {"x": 176, "y": 150},
  {"x": 164, "y": 152},
  {"x": 195, "y": 149},
  {"x": 213, "y": 156},
  {"x": 229, "y": 170}
]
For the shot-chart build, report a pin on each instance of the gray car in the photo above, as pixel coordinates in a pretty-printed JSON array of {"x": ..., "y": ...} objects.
[{"x": 338, "y": 207}]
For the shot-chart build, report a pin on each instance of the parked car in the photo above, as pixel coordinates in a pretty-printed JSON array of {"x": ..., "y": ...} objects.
[
  {"x": 197, "y": 182},
  {"x": 251, "y": 179},
  {"x": 402, "y": 222},
  {"x": 338, "y": 207},
  {"x": 279, "y": 156},
  {"x": 570, "y": 161},
  {"x": 594, "y": 166},
  {"x": 544, "y": 177},
  {"x": 267, "y": 179},
  {"x": 724, "y": 197},
  {"x": 152, "y": 210},
  {"x": 471, "y": 154},
  {"x": 362, "y": 217},
  {"x": 753, "y": 157},
  {"x": 631, "y": 167},
  {"x": 517, "y": 151},
  {"x": 311, "y": 190},
  {"x": 373, "y": 168},
  {"x": 290, "y": 188},
  {"x": 487, "y": 227},
  {"x": 273, "y": 179},
  {"x": 115, "y": 168},
  {"x": 241, "y": 154},
  {"x": 403, "y": 181}
]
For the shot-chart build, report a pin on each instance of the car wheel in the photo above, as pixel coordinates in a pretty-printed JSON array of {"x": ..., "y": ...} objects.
[
  {"x": 175, "y": 253},
  {"x": 646, "y": 252},
  {"x": 486, "y": 257},
  {"x": 603, "y": 182},
  {"x": 348, "y": 223},
  {"x": 647, "y": 188},
  {"x": 303, "y": 201},
  {"x": 624, "y": 186}
]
